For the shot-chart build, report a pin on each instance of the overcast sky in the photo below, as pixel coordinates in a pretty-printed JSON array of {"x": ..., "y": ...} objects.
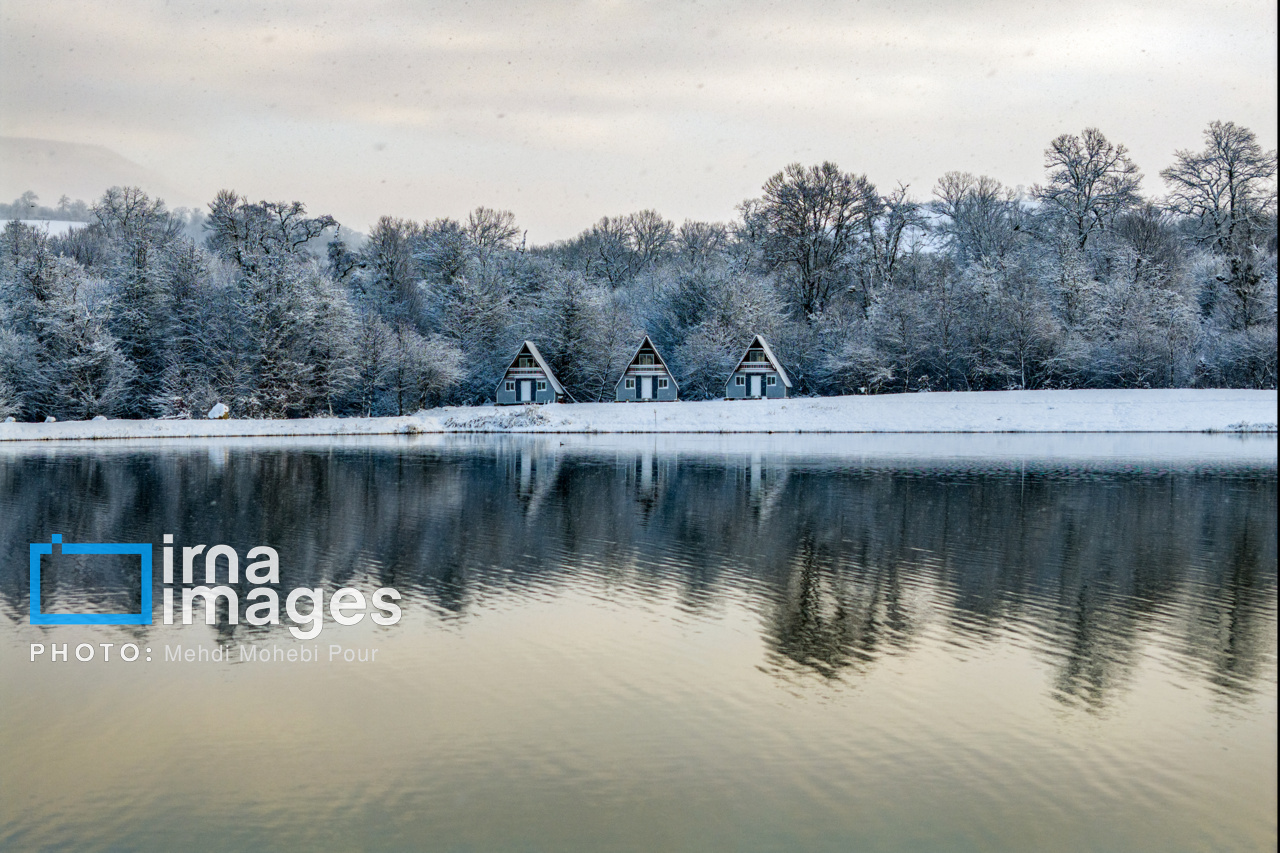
[{"x": 563, "y": 112}]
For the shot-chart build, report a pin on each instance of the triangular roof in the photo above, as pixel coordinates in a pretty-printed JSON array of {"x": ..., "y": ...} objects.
[
  {"x": 656, "y": 354},
  {"x": 532, "y": 349},
  {"x": 768, "y": 353}
]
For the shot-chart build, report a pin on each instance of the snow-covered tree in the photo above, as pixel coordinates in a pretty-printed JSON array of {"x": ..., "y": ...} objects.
[
  {"x": 256, "y": 234},
  {"x": 1081, "y": 283},
  {"x": 811, "y": 220},
  {"x": 10, "y": 402},
  {"x": 585, "y": 335},
  {"x": 420, "y": 372},
  {"x": 979, "y": 217},
  {"x": 138, "y": 231},
  {"x": 1091, "y": 180},
  {"x": 1228, "y": 189}
]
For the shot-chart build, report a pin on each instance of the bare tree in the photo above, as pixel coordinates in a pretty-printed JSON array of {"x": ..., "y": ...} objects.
[
  {"x": 981, "y": 217},
  {"x": 247, "y": 233},
  {"x": 699, "y": 242},
  {"x": 1091, "y": 180},
  {"x": 1229, "y": 187},
  {"x": 491, "y": 231},
  {"x": 610, "y": 238},
  {"x": 651, "y": 237},
  {"x": 896, "y": 218},
  {"x": 138, "y": 222},
  {"x": 813, "y": 219}
]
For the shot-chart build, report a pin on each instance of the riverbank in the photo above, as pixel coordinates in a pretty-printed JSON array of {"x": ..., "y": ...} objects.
[{"x": 1175, "y": 410}]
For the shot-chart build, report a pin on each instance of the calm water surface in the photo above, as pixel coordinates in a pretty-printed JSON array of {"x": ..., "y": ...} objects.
[{"x": 636, "y": 644}]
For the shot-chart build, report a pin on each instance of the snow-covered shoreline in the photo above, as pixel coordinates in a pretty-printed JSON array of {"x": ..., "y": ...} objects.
[{"x": 1168, "y": 411}]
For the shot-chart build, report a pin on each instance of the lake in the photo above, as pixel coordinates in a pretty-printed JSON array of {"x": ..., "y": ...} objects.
[{"x": 835, "y": 643}]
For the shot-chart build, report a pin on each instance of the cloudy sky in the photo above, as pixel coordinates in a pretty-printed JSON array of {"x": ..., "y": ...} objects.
[{"x": 566, "y": 111}]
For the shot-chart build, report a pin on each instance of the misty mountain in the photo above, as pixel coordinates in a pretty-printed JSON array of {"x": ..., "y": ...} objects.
[{"x": 52, "y": 169}]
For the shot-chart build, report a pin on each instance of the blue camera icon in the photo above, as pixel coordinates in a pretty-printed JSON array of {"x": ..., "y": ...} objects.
[{"x": 142, "y": 549}]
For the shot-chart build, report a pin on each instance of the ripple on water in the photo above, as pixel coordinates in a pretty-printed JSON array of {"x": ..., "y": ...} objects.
[{"x": 638, "y": 650}]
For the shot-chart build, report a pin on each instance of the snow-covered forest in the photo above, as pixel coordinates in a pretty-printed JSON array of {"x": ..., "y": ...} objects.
[{"x": 1093, "y": 279}]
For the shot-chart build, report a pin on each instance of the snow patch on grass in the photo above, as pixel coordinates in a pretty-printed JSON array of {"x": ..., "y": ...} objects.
[
  {"x": 529, "y": 416},
  {"x": 1245, "y": 426}
]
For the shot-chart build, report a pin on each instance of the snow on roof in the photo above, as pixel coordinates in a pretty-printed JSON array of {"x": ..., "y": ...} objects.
[
  {"x": 542, "y": 363},
  {"x": 768, "y": 353},
  {"x": 656, "y": 354}
]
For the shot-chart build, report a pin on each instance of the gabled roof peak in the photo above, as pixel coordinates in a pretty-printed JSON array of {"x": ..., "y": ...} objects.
[
  {"x": 758, "y": 342},
  {"x": 657, "y": 355},
  {"x": 532, "y": 349}
]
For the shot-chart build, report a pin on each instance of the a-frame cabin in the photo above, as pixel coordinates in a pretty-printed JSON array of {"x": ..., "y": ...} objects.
[
  {"x": 646, "y": 377},
  {"x": 758, "y": 375},
  {"x": 529, "y": 379}
]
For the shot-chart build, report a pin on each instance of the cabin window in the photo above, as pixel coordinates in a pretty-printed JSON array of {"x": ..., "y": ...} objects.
[
  {"x": 511, "y": 385},
  {"x": 526, "y": 361},
  {"x": 631, "y": 384},
  {"x": 542, "y": 386},
  {"x": 662, "y": 383},
  {"x": 756, "y": 355},
  {"x": 772, "y": 380},
  {"x": 646, "y": 358},
  {"x": 739, "y": 380}
]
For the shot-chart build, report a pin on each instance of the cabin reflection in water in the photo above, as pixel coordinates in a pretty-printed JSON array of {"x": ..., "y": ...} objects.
[
  {"x": 766, "y": 484},
  {"x": 650, "y": 476},
  {"x": 533, "y": 468}
]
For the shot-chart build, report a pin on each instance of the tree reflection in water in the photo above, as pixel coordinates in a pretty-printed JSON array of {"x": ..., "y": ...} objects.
[{"x": 847, "y": 562}]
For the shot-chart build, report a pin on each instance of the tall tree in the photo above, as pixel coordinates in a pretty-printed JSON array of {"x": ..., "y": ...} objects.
[
  {"x": 887, "y": 235},
  {"x": 253, "y": 234},
  {"x": 390, "y": 272},
  {"x": 445, "y": 252},
  {"x": 698, "y": 243},
  {"x": 652, "y": 237},
  {"x": 812, "y": 219},
  {"x": 491, "y": 230},
  {"x": 1229, "y": 190},
  {"x": 1091, "y": 180},
  {"x": 980, "y": 217},
  {"x": 1229, "y": 187},
  {"x": 139, "y": 230}
]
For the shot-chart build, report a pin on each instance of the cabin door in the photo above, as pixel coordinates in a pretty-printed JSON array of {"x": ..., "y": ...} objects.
[
  {"x": 526, "y": 391},
  {"x": 754, "y": 384},
  {"x": 646, "y": 387}
]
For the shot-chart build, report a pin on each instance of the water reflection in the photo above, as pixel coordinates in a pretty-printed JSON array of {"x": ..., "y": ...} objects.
[
  {"x": 830, "y": 617},
  {"x": 845, "y": 563}
]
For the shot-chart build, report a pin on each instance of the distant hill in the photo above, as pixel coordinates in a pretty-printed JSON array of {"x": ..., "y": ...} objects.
[
  {"x": 55, "y": 227},
  {"x": 52, "y": 169}
]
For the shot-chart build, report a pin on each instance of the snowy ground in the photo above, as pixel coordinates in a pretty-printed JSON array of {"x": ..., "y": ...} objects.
[{"x": 1179, "y": 410}]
